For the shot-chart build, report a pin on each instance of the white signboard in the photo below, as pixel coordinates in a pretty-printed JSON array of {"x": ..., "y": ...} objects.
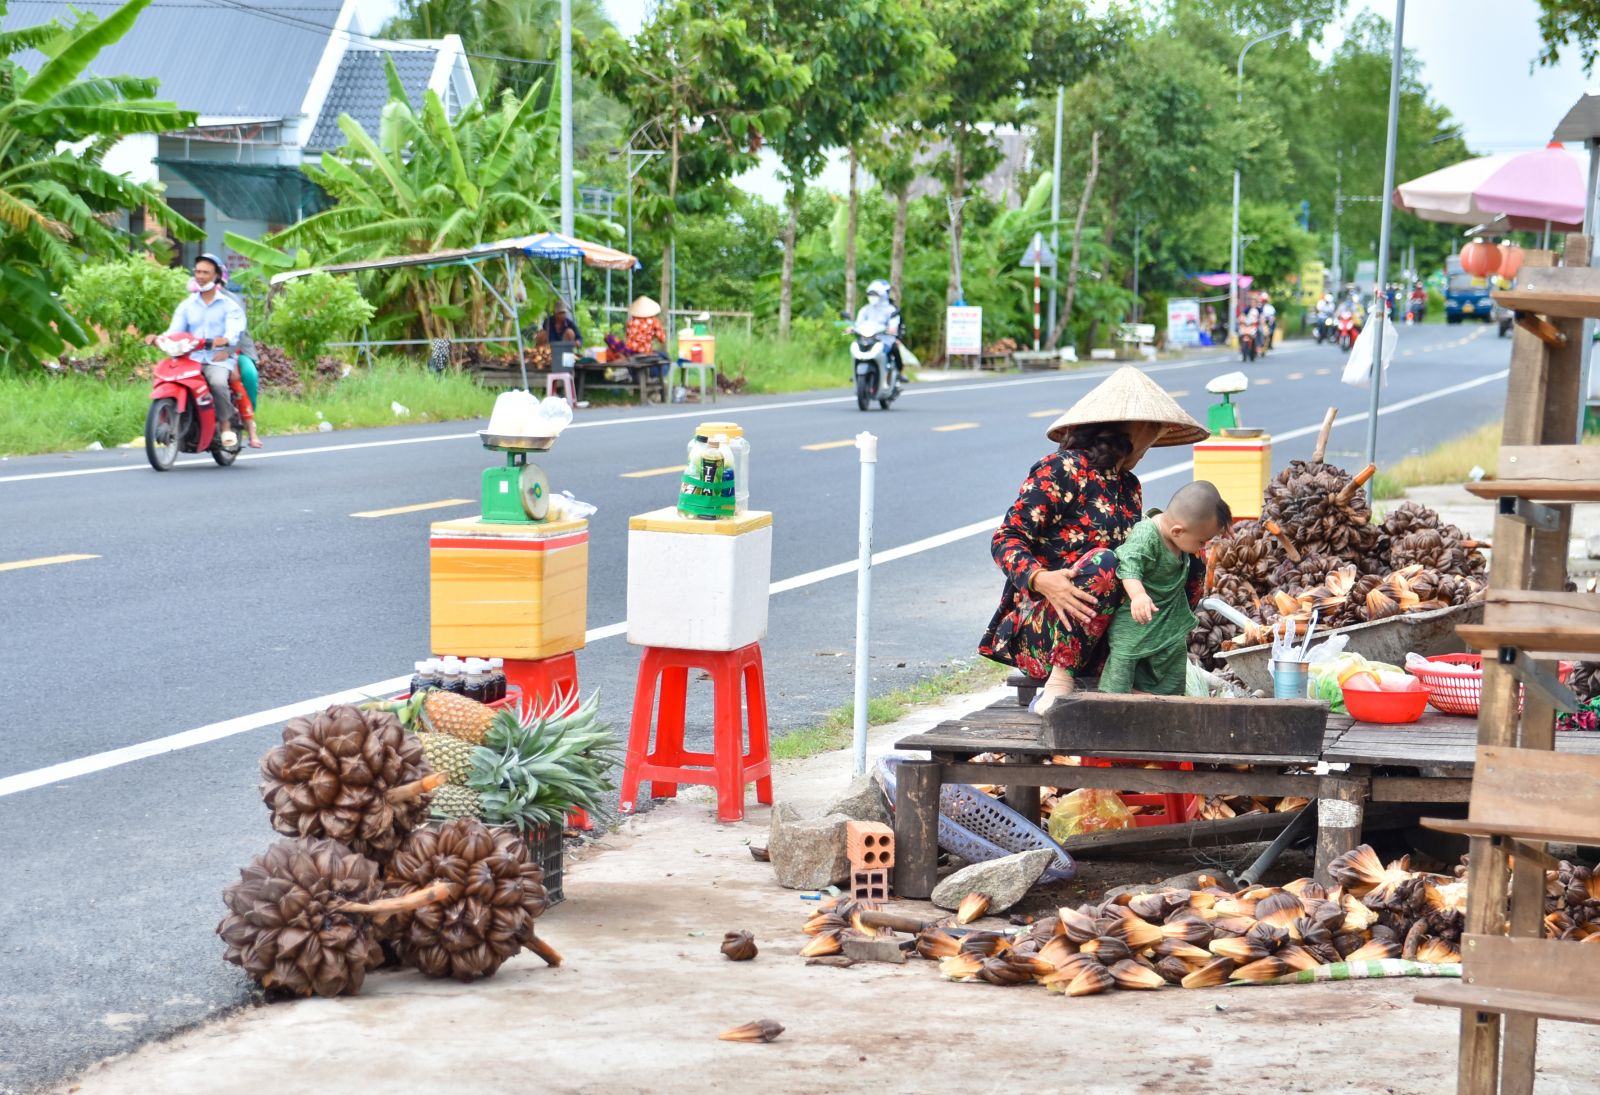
[
  {"x": 963, "y": 330},
  {"x": 1183, "y": 321}
]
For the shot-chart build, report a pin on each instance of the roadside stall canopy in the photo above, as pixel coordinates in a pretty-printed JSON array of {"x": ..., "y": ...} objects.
[
  {"x": 547, "y": 246},
  {"x": 1534, "y": 191}
]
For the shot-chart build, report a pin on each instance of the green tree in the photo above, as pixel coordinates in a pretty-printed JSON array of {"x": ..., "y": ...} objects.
[
  {"x": 426, "y": 183},
  {"x": 989, "y": 41},
  {"x": 698, "y": 79},
  {"x": 1564, "y": 22},
  {"x": 56, "y": 198}
]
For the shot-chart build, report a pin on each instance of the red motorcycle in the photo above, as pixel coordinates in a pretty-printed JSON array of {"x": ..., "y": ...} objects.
[
  {"x": 1348, "y": 328},
  {"x": 181, "y": 417}
]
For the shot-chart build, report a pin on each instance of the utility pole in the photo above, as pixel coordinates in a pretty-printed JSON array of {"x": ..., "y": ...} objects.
[
  {"x": 566, "y": 117},
  {"x": 1383, "y": 230},
  {"x": 1338, "y": 211},
  {"x": 1233, "y": 269},
  {"x": 1055, "y": 207}
]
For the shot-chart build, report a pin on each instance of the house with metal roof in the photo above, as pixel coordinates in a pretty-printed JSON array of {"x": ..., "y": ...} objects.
[{"x": 269, "y": 79}]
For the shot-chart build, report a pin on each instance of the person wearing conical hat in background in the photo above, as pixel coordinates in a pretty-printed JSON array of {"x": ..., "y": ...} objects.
[
  {"x": 1056, "y": 544},
  {"x": 644, "y": 328}
]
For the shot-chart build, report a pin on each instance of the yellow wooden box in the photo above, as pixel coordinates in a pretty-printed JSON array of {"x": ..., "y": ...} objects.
[
  {"x": 1240, "y": 467},
  {"x": 508, "y": 591}
]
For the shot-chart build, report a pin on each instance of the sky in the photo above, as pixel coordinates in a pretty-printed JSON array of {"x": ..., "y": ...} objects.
[{"x": 1476, "y": 56}]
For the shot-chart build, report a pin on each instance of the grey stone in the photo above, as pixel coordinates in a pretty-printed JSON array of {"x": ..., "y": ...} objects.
[
  {"x": 808, "y": 854},
  {"x": 1003, "y": 881},
  {"x": 862, "y": 801}
]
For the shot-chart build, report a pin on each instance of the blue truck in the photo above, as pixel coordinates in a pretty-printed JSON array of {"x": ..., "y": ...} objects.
[{"x": 1465, "y": 297}]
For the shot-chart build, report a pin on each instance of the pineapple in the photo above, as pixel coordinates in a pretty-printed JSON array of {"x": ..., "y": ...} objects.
[
  {"x": 453, "y": 801},
  {"x": 441, "y": 712},
  {"x": 449, "y": 755}
]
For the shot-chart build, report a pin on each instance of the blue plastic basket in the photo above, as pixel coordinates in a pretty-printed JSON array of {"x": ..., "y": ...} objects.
[{"x": 978, "y": 827}]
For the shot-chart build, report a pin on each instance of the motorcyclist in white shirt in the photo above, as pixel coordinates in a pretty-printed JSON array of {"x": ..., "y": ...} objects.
[{"x": 880, "y": 310}]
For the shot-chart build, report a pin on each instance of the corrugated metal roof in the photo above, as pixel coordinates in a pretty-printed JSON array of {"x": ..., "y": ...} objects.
[
  {"x": 246, "y": 57},
  {"x": 361, "y": 88}
]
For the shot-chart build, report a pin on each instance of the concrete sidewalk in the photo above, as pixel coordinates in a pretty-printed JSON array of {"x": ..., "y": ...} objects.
[{"x": 643, "y": 993}]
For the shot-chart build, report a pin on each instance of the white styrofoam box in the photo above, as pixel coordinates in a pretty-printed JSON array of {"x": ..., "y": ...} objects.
[{"x": 698, "y": 585}]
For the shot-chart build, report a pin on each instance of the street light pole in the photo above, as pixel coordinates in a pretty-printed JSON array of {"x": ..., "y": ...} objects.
[
  {"x": 1055, "y": 207},
  {"x": 566, "y": 117},
  {"x": 1233, "y": 269},
  {"x": 1383, "y": 231}
]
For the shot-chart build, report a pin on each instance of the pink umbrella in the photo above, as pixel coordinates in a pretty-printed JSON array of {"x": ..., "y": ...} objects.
[{"x": 1530, "y": 190}]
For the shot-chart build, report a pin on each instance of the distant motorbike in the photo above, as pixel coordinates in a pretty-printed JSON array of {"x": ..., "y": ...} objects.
[
  {"x": 1348, "y": 328},
  {"x": 1322, "y": 328},
  {"x": 1249, "y": 334},
  {"x": 876, "y": 374},
  {"x": 181, "y": 416}
]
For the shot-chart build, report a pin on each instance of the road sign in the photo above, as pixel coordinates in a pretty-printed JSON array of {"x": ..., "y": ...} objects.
[
  {"x": 963, "y": 330},
  {"x": 1047, "y": 257}
]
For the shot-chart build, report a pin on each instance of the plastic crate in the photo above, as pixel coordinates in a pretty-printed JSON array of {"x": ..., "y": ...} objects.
[
  {"x": 978, "y": 827},
  {"x": 1175, "y": 808},
  {"x": 545, "y": 849}
]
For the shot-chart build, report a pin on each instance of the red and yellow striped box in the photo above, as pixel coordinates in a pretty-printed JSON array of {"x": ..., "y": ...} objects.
[
  {"x": 1240, "y": 467},
  {"x": 508, "y": 591}
]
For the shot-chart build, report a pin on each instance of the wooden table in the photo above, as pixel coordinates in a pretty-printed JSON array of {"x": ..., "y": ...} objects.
[
  {"x": 1427, "y": 761},
  {"x": 592, "y": 374}
]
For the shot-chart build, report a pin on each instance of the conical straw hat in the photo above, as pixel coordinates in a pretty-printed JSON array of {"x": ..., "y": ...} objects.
[
  {"x": 644, "y": 307},
  {"x": 1128, "y": 395}
]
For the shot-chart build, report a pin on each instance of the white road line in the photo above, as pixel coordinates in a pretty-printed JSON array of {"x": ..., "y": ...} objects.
[
  {"x": 914, "y": 391},
  {"x": 97, "y": 762}
]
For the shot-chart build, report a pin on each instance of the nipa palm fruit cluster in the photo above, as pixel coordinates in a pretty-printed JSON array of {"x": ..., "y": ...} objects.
[
  {"x": 1199, "y": 938},
  {"x": 312, "y": 914},
  {"x": 1572, "y": 903},
  {"x": 1317, "y": 549},
  {"x": 523, "y": 768}
]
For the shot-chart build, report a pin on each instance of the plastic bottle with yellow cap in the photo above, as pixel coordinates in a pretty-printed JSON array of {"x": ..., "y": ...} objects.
[{"x": 738, "y": 448}]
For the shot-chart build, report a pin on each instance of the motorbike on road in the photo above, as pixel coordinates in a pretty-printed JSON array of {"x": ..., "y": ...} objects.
[
  {"x": 1348, "y": 328},
  {"x": 1249, "y": 334},
  {"x": 876, "y": 375},
  {"x": 181, "y": 416}
]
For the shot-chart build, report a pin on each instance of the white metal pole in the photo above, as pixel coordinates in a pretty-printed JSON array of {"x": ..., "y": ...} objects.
[
  {"x": 566, "y": 117},
  {"x": 868, "y": 446},
  {"x": 1589, "y": 224},
  {"x": 1233, "y": 262},
  {"x": 1038, "y": 244},
  {"x": 1055, "y": 206},
  {"x": 1383, "y": 230}
]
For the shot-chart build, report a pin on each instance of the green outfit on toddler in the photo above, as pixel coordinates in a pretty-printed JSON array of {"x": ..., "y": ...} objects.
[{"x": 1151, "y": 657}]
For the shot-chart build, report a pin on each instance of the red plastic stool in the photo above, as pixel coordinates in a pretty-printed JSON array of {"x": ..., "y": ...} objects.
[
  {"x": 1175, "y": 809},
  {"x": 542, "y": 681},
  {"x": 729, "y": 767}
]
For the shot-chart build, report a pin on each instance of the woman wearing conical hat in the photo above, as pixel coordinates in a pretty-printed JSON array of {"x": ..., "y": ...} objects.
[{"x": 1055, "y": 542}]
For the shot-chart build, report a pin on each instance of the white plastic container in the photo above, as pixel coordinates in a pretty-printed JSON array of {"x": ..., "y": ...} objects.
[{"x": 698, "y": 585}]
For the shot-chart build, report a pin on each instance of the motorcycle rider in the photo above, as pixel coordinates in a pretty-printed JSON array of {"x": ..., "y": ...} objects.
[
  {"x": 880, "y": 310},
  {"x": 1269, "y": 320},
  {"x": 219, "y": 319},
  {"x": 1325, "y": 313}
]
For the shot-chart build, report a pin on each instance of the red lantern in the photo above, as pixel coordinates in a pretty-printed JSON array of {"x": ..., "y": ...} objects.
[
  {"x": 1480, "y": 259},
  {"x": 1510, "y": 261}
]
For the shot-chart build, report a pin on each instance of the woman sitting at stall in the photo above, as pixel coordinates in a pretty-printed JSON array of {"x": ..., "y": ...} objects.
[
  {"x": 1055, "y": 544},
  {"x": 644, "y": 331}
]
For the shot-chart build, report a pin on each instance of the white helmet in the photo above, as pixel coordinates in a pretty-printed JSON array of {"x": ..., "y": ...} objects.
[{"x": 882, "y": 289}]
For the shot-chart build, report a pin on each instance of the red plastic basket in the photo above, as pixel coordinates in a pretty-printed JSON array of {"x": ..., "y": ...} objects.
[{"x": 1461, "y": 693}]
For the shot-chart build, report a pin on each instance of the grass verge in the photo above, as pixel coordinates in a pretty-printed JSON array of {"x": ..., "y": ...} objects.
[
  {"x": 1451, "y": 462},
  {"x": 835, "y": 729},
  {"x": 46, "y": 413},
  {"x": 804, "y": 363}
]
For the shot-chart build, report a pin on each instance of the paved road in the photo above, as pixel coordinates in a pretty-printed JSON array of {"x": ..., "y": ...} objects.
[{"x": 212, "y": 596}]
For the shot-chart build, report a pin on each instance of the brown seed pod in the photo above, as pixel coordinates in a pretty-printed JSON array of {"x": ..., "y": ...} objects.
[
  {"x": 349, "y": 775},
  {"x": 495, "y": 895},
  {"x": 739, "y": 946},
  {"x": 757, "y": 1030}
]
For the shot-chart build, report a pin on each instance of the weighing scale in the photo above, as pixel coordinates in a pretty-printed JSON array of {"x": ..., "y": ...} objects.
[
  {"x": 519, "y": 492},
  {"x": 1225, "y": 415}
]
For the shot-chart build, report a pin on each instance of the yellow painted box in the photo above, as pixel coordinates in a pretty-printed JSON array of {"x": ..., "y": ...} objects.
[
  {"x": 1240, "y": 467},
  {"x": 508, "y": 591}
]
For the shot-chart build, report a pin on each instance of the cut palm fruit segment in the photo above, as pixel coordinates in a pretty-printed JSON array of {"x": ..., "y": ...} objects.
[
  {"x": 1093, "y": 980},
  {"x": 972, "y": 906},
  {"x": 758, "y": 1030},
  {"x": 934, "y": 943},
  {"x": 1134, "y": 975},
  {"x": 962, "y": 967},
  {"x": 1264, "y": 969},
  {"x": 1374, "y": 950},
  {"x": 1079, "y": 927},
  {"x": 1210, "y": 975},
  {"x": 1238, "y": 949},
  {"x": 1138, "y": 934},
  {"x": 1297, "y": 957},
  {"x": 823, "y": 944}
]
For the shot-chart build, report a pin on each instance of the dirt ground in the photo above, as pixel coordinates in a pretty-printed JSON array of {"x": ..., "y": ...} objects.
[{"x": 638, "y": 1003}]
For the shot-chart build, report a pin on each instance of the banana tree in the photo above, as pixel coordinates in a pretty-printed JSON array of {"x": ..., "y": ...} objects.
[
  {"x": 56, "y": 127},
  {"x": 426, "y": 183}
]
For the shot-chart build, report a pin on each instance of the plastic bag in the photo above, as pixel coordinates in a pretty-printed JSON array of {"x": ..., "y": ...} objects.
[
  {"x": 1329, "y": 674},
  {"x": 1088, "y": 810},
  {"x": 1358, "y": 370},
  {"x": 564, "y": 507}
]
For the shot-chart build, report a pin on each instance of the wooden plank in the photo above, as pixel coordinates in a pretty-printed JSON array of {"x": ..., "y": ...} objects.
[
  {"x": 1534, "y": 834},
  {"x": 1542, "y": 329},
  {"x": 1487, "y": 637},
  {"x": 1102, "y": 724},
  {"x": 1561, "y": 968},
  {"x": 1549, "y": 303},
  {"x": 1024, "y": 800},
  {"x": 1416, "y": 789},
  {"x": 1537, "y": 490},
  {"x": 1246, "y": 829},
  {"x": 1557, "y": 462},
  {"x": 1544, "y": 1005},
  {"x": 1162, "y": 780},
  {"x": 916, "y": 828},
  {"x": 1537, "y": 789}
]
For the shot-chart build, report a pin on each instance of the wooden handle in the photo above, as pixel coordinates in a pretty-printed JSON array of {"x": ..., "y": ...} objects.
[
  {"x": 388, "y": 906},
  {"x": 1322, "y": 438},
  {"x": 899, "y": 922},
  {"x": 408, "y": 791},
  {"x": 1470, "y": 544},
  {"x": 1211, "y": 568},
  {"x": 1288, "y": 548},
  {"x": 1357, "y": 483}
]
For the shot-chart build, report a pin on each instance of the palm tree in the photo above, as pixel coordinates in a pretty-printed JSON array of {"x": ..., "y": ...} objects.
[{"x": 56, "y": 198}]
